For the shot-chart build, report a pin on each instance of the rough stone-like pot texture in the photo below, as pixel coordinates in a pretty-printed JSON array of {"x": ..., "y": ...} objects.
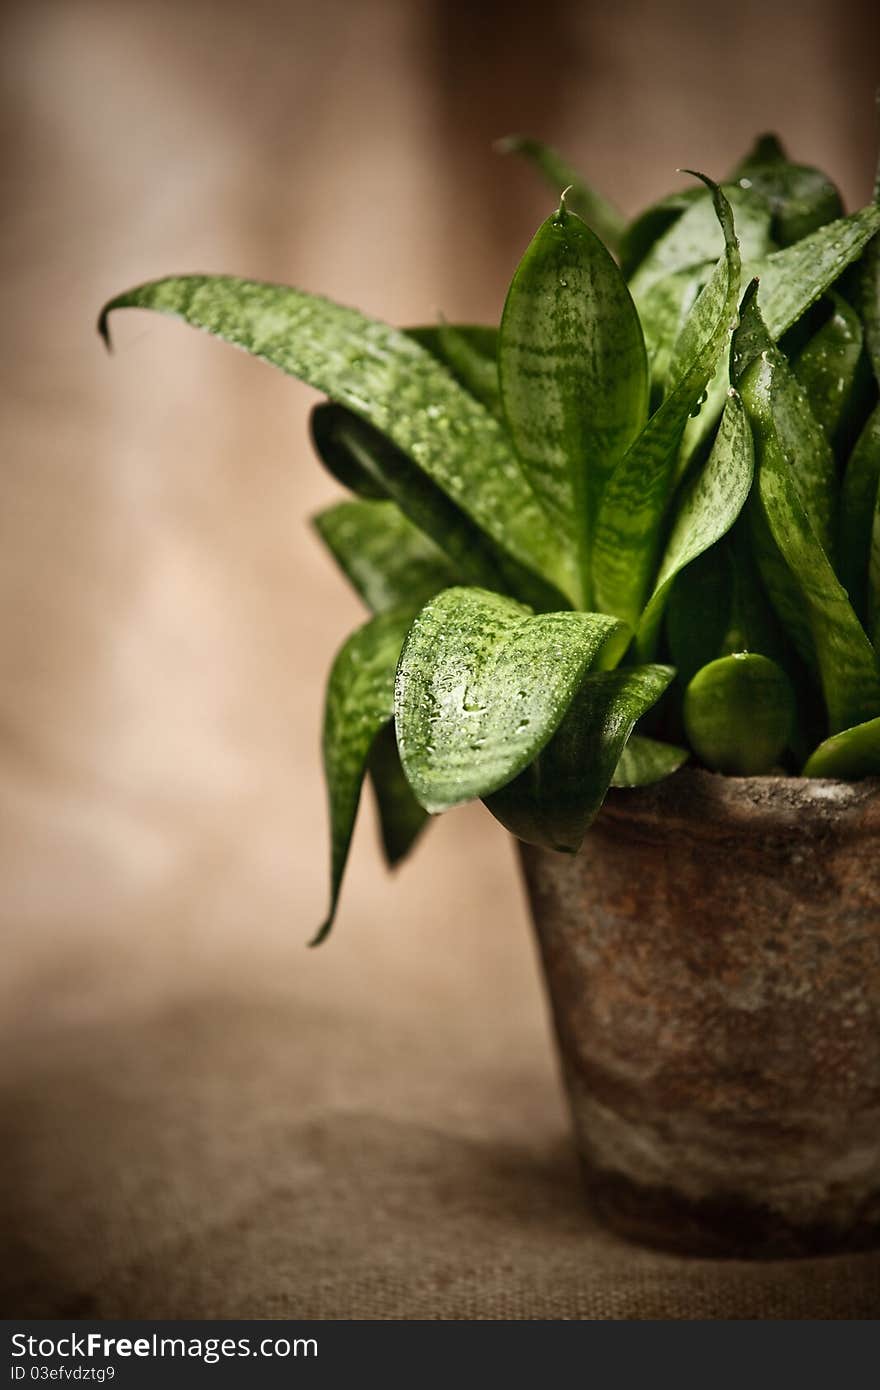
[{"x": 713, "y": 961}]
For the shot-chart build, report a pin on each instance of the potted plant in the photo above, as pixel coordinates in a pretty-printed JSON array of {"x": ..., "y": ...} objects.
[{"x": 648, "y": 500}]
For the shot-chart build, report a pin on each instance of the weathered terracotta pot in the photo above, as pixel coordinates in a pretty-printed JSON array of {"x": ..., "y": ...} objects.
[{"x": 713, "y": 961}]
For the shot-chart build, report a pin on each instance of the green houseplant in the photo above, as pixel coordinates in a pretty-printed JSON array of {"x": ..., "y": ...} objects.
[{"x": 647, "y": 500}]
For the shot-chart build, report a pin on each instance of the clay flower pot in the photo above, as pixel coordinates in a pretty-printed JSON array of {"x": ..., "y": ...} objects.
[{"x": 713, "y": 961}]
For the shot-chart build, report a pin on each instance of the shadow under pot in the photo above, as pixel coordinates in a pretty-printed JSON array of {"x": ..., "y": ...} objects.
[{"x": 712, "y": 956}]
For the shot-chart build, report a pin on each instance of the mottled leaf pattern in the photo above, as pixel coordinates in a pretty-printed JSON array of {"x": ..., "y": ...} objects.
[
  {"x": 826, "y": 367},
  {"x": 553, "y": 801},
  {"x": 482, "y": 686},
  {"x": 573, "y": 373},
  {"x": 388, "y": 560},
  {"x": 859, "y": 499}
]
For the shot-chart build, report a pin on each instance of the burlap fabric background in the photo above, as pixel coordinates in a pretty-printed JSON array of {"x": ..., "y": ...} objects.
[{"x": 199, "y": 1116}]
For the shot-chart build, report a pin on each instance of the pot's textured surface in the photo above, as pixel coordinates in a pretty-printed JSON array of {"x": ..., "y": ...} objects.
[{"x": 713, "y": 961}]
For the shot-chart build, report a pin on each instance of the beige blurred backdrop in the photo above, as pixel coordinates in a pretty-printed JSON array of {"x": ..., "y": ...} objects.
[{"x": 167, "y": 616}]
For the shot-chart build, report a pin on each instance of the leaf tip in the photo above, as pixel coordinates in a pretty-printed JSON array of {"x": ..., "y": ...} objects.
[
  {"x": 323, "y": 931},
  {"x": 103, "y": 325}
]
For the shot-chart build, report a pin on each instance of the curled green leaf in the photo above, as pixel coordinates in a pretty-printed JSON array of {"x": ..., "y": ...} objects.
[
  {"x": 794, "y": 278},
  {"x": 850, "y": 755},
  {"x": 554, "y": 800},
  {"x": 482, "y": 686},
  {"x": 384, "y": 376}
]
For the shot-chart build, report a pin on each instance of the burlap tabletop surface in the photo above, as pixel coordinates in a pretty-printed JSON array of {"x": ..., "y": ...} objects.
[{"x": 195, "y": 1164}]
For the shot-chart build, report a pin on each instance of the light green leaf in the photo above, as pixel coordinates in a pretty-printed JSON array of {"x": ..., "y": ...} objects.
[
  {"x": 553, "y": 801},
  {"x": 859, "y": 499},
  {"x": 353, "y": 452},
  {"x": 846, "y": 661},
  {"x": 646, "y": 229},
  {"x": 629, "y": 528},
  {"x": 360, "y": 701},
  {"x": 481, "y": 688},
  {"x": 663, "y": 311},
  {"x": 850, "y": 755},
  {"x": 388, "y": 561},
  {"x": 573, "y": 373},
  {"x": 589, "y": 204},
  {"x": 401, "y": 818},
  {"x": 709, "y": 506},
  {"x": 826, "y": 366},
  {"x": 695, "y": 238},
  {"x": 385, "y": 377},
  {"x": 645, "y": 761},
  {"x": 739, "y": 714},
  {"x": 793, "y": 279}
]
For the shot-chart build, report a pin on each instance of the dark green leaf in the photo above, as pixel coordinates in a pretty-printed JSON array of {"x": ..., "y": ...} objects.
[
  {"x": 389, "y": 562},
  {"x": 360, "y": 701},
  {"x": 799, "y": 197},
  {"x": 696, "y": 238},
  {"x": 698, "y": 611},
  {"x": 859, "y": 499},
  {"x": 482, "y": 686},
  {"x": 868, "y": 295},
  {"x": 386, "y": 378},
  {"x": 709, "y": 506},
  {"x": 349, "y": 446},
  {"x": 850, "y": 755},
  {"x": 590, "y": 205},
  {"x": 553, "y": 801},
  {"x": 629, "y": 528},
  {"x": 645, "y": 761},
  {"x": 646, "y": 229},
  {"x": 846, "y": 661},
  {"x": 739, "y": 714},
  {"x": 826, "y": 367},
  {"x": 573, "y": 373},
  {"x": 401, "y": 818}
]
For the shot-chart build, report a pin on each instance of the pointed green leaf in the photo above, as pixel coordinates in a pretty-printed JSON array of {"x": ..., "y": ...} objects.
[
  {"x": 696, "y": 238},
  {"x": 645, "y": 761},
  {"x": 553, "y": 801},
  {"x": 826, "y": 366},
  {"x": 709, "y": 506},
  {"x": 598, "y": 213},
  {"x": 352, "y": 449},
  {"x": 388, "y": 561},
  {"x": 573, "y": 372},
  {"x": 360, "y": 701},
  {"x": 799, "y": 197},
  {"x": 470, "y": 351},
  {"x": 631, "y": 515},
  {"x": 385, "y": 377},
  {"x": 850, "y": 755},
  {"x": 481, "y": 687},
  {"x": 793, "y": 279},
  {"x": 859, "y": 499},
  {"x": 846, "y": 661},
  {"x": 401, "y": 818}
]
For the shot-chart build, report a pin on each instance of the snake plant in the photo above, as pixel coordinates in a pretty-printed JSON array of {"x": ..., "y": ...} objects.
[{"x": 647, "y": 500}]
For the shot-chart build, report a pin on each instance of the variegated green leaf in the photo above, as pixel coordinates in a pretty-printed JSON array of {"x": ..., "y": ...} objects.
[
  {"x": 826, "y": 366},
  {"x": 799, "y": 197},
  {"x": 360, "y": 701},
  {"x": 482, "y": 686},
  {"x": 631, "y": 515},
  {"x": 353, "y": 450},
  {"x": 859, "y": 499},
  {"x": 794, "y": 278},
  {"x": 696, "y": 238},
  {"x": 709, "y": 506},
  {"x": 388, "y": 560},
  {"x": 573, "y": 373},
  {"x": 868, "y": 295},
  {"x": 586, "y": 201},
  {"x": 470, "y": 351},
  {"x": 645, "y": 761},
  {"x": 553, "y": 801},
  {"x": 846, "y": 661},
  {"x": 850, "y": 755},
  {"x": 401, "y": 818},
  {"x": 646, "y": 230},
  {"x": 385, "y": 377}
]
